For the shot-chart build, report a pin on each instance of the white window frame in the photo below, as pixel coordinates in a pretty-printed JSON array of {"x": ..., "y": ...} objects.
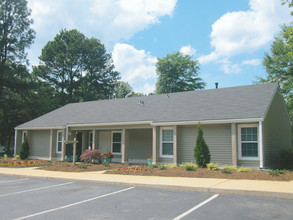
[
  {"x": 161, "y": 142},
  {"x": 240, "y": 157},
  {"x": 112, "y": 142},
  {"x": 91, "y": 143},
  {"x": 57, "y": 141},
  {"x": 24, "y": 134}
]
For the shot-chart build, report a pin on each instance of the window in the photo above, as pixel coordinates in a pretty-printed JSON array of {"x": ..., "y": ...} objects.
[
  {"x": 167, "y": 143},
  {"x": 59, "y": 142},
  {"x": 116, "y": 142},
  {"x": 248, "y": 136},
  {"x": 91, "y": 139},
  {"x": 24, "y": 134}
]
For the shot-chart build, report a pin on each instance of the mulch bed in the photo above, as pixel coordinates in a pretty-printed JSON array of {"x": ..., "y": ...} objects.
[
  {"x": 205, "y": 173},
  {"x": 114, "y": 168}
]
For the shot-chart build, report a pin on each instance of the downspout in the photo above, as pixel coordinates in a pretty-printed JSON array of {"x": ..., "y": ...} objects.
[{"x": 261, "y": 164}]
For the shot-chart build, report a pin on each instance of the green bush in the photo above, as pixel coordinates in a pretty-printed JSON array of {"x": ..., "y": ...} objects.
[
  {"x": 202, "y": 154},
  {"x": 171, "y": 166},
  {"x": 244, "y": 169},
  {"x": 227, "y": 169},
  {"x": 162, "y": 167},
  {"x": 189, "y": 166},
  {"x": 213, "y": 166},
  {"x": 82, "y": 165},
  {"x": 286, "y": 159},
  {"x": 277, "y": 172},
  {"x": 24, "y": 150}
]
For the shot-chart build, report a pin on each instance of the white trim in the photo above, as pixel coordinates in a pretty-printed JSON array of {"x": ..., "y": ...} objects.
[
  {"x": 59, "y": 131},
  {"x": 240, "y": 145},
  {"x": 39, "y": 128},
  {"x": 109, "y": 124},
  {"x": 15, "y": 142},
  {"x": 260, "y": 141},
  {"x": 226, "y": 121},
  {"x": 168, "y": 123},
  {"x": 116, "y": 153},
  {"x": 161, "y": 142}
]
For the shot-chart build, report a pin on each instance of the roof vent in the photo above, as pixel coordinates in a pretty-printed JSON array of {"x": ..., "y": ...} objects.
[
  {"x": 217, "y": 84},
  {"x": 141, "y": 102}
]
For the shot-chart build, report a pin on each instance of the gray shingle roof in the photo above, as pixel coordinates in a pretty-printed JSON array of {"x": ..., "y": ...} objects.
[{"x": 213, "y": 104}]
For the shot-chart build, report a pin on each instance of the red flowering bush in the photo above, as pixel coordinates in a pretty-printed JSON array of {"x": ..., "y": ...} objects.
[
  {"x": 149, "y": 157},
  {"x": 108, "y": 155},
  {"x": 91, "y": 155}
]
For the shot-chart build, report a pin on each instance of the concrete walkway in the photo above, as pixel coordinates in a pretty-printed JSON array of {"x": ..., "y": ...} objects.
[{"x": 278, "y": 189}]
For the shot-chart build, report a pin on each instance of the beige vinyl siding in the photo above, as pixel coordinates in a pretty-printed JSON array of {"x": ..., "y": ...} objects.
[
  {"x": 105, "y": 141},
  {"x": 39, "y": 143},
  {"x": 248, "y": 163},
  {"x": 140, "y": 143},
  {"x": 217, "y": 137},
  {"x": 276, "y": 131}
]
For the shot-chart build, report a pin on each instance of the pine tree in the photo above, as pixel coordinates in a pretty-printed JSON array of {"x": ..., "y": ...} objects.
[
  {"x": 202, "y": 154},
  {"x": 24, "y": 150}
]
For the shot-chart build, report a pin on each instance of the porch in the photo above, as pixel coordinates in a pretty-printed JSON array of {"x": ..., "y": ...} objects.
[{"x": 129, "y": 145}]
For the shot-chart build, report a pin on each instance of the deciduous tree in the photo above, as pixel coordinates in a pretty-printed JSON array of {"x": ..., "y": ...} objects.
[{"x": 177, "y": 72}]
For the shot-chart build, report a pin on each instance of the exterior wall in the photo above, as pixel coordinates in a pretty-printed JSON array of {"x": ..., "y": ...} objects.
[
  {"x": 18, "y": 142},
  {"x": 217, "y": 137},
  {"x": 140, "y": 144},
  {"x": 39, "y": 143},
  {"x": 104, "y": 141},
  {"x": 276, "y": 131}
]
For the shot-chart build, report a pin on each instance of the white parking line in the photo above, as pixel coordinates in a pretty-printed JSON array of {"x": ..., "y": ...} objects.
[
  {"x": 30, "y": 190},
  {"x": 11, "y": 181},
  {"x": 196, "y": 207},
  {"x": 73, "y": 204}
]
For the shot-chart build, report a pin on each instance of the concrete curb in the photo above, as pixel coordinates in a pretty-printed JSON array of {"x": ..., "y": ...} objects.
[{"x": 214, "y": 190}]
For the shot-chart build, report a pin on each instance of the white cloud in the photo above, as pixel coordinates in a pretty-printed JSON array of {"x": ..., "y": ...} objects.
[
  {"x": 123, "y": 18},
  {"x": 208, "y": 58},
  {"x": 252, "y": 62},
  {"x": 135, "y": 66},
  {"x": 245, "y": 31},
  {"x": 228, "y": 67},
  {"x": 188, "y": 50}
]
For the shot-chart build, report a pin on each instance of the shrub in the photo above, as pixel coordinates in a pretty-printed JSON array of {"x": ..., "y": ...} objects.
[
  {"x": 189, "y": 166},
  {"x": 277, "y": 172},
  {"x": 171, "y": 166},
  {"x": 286, "y": 159},
  {"x": 227, "y": 169},
  {"x": 24, "y": 150},
  {"x": 162, "y": 167},
  {"x": 49, "y": 163},
  {"x": 202, "y": 154},
  {"x": 244, "y": 169},
  {"x": 213, "y": 166},
  {"x": 91, "y": 155},
  {"x": 82, "y": 165}
]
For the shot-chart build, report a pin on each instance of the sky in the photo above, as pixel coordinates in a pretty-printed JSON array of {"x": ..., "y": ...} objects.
[{"x": 227, "y": 37}]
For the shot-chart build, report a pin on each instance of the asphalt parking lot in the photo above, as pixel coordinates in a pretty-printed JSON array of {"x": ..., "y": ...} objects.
[{"x": 31, "y": 198}]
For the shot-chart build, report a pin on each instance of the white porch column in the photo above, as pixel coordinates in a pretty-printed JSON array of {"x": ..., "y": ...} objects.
[
  {"x": 123, "y": 150},
  {"x": 63, "y": 145},
  {"x": 51, "y": 144},
  {"x": 261, "y": 164},
  {"x": 175, "y": 144},
  {"x": 15, "y": 142},
  {"x": 154, "y": 145},
  {"x": 234, "y": 144},
  {"x": 94, "y": 139}
]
